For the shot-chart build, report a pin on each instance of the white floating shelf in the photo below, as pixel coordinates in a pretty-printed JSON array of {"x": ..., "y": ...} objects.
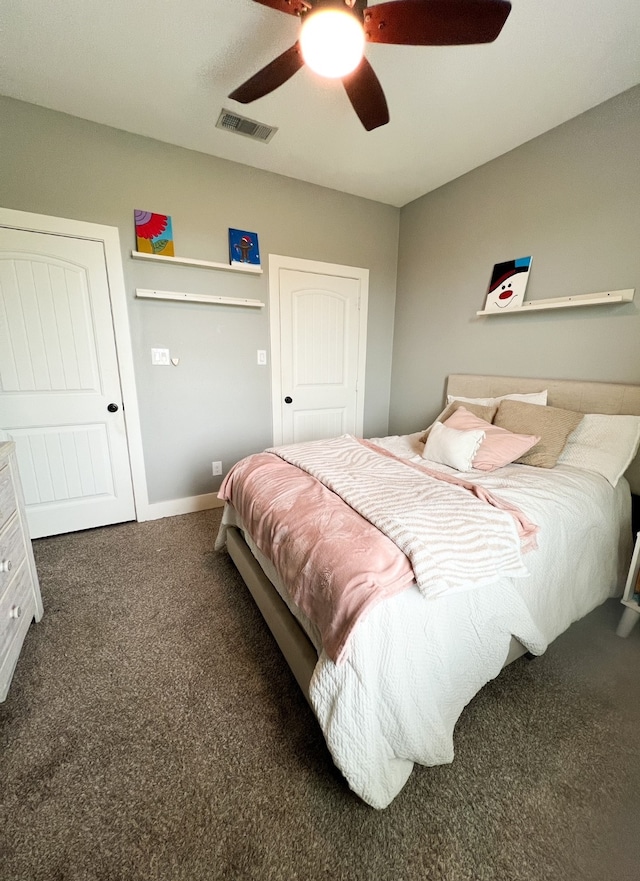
[
  {"x": 566, "y": 302},
  {"x": 198, "y": 298},
  {"x": 249, "y": 268}
]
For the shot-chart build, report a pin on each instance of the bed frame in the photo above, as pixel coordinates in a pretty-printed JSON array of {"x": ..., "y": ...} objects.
[{"x": 584, "y": 397}]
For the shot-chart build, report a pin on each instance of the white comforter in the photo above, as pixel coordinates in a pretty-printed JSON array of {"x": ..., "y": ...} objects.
[{"x": 415, "y": 663}]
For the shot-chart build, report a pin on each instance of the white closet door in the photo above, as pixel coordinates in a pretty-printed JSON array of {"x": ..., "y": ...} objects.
[
  {"x": 319, "y": 355},
  {"x": 60, "y": 397}
]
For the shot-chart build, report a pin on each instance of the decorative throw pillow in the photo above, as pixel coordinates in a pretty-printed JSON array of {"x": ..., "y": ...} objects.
[
  {"x": 552, "y": 424},
  {"x": 603, "y": 445},
  {"x": 486, "y": 413},
  {"x": 529, "y": 398},
  {"x": 499, "y": 447},
  {"x": 451, "y": 447}
]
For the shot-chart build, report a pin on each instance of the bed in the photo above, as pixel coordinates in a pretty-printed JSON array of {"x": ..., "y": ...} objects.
[{"x": 388, "y": 694}]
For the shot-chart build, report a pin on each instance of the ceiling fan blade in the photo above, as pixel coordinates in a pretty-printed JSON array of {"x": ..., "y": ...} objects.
[
  {"x": 292, "y": 7},
  {"x": 270, "y": 77},
  {"x": 435, "y": 22},
  {"x": 365, "y": 93}
]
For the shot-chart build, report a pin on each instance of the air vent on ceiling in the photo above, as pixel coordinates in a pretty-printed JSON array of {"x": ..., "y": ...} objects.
[{"x": 231, "y": 122}]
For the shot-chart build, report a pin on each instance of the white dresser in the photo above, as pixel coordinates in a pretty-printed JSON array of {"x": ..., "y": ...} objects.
[{"x": 20, "y": 599}]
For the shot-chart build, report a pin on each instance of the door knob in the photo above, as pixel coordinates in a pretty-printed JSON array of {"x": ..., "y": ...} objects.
[
  {"x": 288, "y": 400},
  {"x": 112, "y": 408}
]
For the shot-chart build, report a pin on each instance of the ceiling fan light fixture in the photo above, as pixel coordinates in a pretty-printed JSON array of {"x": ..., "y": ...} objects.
[{"x": 332, "y": 42}]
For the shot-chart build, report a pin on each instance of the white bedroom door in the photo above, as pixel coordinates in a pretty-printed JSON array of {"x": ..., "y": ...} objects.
[
  {"x": 60, "y": 393},
  {"x": 318, "y": 351}
]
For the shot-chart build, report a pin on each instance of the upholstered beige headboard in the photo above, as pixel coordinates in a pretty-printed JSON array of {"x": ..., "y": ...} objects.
[{"x": 584, "y": 397}]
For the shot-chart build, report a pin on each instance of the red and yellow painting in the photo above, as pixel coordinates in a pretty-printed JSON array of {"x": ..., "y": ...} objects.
[{"x": 154, "y": 233}]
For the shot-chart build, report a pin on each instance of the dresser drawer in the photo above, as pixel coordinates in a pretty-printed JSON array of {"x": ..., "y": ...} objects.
[
  {"x": 17, "y": 605},
  {"x": 20, "y": 600},
  {"x": 12, "y": 552},
  {"x": 7, "y": 495}
]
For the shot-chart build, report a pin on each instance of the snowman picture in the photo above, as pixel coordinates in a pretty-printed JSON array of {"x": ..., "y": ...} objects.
[{"x": 508, "y": 284}]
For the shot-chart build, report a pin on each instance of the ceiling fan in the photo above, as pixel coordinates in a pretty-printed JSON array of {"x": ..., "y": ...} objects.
[{"x": 399, "y": 22}]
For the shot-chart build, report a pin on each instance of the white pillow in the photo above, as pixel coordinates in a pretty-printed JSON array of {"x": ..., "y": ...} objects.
[
  {"x": 603, "y": 445},
  {"x": 532, "y": 398},
  {"x": 451, "y": 447}
]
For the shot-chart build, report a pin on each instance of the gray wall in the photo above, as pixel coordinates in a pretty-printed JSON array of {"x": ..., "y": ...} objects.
[
  {"x": 571, "y": 199},
  {"x": 217, "y": 403}
]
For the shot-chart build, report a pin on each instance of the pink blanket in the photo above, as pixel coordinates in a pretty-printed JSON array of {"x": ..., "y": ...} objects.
[
  {"x": 333, "y": 562},
  {"x": 456, "y": 535},
  {"x": 336, "y": 560}
]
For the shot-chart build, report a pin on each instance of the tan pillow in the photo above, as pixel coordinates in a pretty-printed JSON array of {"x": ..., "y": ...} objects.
[
  {"x": 486, "y": 413},
  {"x": 552, "y": 424}
]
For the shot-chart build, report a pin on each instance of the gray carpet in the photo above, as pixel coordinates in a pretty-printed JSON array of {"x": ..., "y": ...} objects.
[{"x": 152, "y": 731}]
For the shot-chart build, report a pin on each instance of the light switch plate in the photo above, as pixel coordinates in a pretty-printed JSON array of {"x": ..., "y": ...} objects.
[
  {"x": 160, "y": 357},
  {"x": 262, "y": 357}
]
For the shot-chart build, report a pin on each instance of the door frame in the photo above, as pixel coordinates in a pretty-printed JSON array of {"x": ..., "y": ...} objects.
[
  {"x": 109, "y": 237},
  {"x": 278, "y": 262}
]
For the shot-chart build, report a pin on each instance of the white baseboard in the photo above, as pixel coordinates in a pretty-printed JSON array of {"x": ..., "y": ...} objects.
[{"x": 172, "y": 508}]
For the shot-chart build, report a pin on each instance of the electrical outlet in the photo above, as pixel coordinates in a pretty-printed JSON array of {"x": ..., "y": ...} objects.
[{"x": 216, "y": 468}]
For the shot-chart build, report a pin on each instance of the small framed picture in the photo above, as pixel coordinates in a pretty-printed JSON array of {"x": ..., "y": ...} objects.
[
  {"x": 243, "y": 248},
  {"x": 508, "y": 284},
  {"x": 154, "y": 233}
]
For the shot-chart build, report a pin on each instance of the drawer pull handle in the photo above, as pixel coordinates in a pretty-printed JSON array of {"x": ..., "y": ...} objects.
[
  {"x": 15, "y": 612},
  {"x": 5, "y": 565}
]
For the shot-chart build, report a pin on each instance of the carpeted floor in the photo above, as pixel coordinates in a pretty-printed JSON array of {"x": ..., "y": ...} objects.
[{"x": 154, "y": 733}]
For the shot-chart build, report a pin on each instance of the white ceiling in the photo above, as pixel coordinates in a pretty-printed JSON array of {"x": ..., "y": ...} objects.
[{"x": 164, "y": 68}]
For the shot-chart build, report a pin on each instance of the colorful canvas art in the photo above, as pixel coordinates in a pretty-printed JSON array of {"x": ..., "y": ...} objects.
[
  {"x": 243, "y": 248},
  {"x": 154, "y": 233},
  {"x": 508, "y": 284}
]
